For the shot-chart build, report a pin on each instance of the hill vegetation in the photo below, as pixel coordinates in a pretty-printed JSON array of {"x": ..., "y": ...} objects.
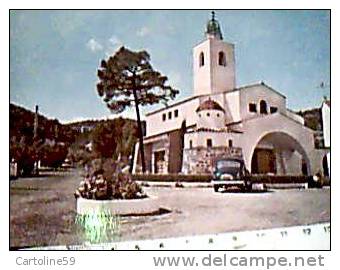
[
  {"x": 312, "y": 117},
  {"x": 78, "y": 141}
]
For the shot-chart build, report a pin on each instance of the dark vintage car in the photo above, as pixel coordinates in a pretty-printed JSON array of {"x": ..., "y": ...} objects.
[{"x": 231, "y": 172}]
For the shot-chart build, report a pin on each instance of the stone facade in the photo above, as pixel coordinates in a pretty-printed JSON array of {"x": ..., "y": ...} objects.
[{"x": 200, "y": 160}]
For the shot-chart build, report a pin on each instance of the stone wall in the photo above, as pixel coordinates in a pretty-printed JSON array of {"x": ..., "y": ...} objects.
[{"x": 199, "y": 160}]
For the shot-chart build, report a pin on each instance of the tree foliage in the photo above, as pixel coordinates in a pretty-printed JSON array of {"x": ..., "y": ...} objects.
[
  {"x": 108, "y": 139},
  {"x": 49, "y": 146},
  {"x": 126, "y": 72},
  {"x": 114, "y": 138},
  {"x": 53, "y": 155}
]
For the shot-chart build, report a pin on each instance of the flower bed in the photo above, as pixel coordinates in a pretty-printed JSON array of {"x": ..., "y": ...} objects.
[
  {"x": 107, "y": 188},
  {"x": 105, "y": 180}
]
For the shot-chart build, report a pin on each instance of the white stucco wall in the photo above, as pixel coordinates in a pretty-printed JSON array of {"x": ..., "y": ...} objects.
[
  {"x": 232, "y": 106},
  {"x": 326, "y": 121},
  {"x": 218, "y": 139},
  {"x": 186, "y": 111},
  {"x": 256, "y": 93},
  {"x": 255, "y": 129},
  {"x": 202, "y": 78},
  {"x": 210, "y": 119},
  {"x": 229, "y": 101},
  {"x": 222, "y": 77},
  {"x": 295, "y": 117},
  {"x": 212, "y": 77}
]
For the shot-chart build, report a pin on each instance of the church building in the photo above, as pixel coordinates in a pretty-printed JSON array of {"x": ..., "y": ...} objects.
[{"x": 222, "y": 119}]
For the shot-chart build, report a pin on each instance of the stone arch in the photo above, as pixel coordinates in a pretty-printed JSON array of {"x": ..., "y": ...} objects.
[{"x": 285, "y": 150}]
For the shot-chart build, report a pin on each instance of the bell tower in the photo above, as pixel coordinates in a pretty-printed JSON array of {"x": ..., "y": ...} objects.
[{"x": 214, "y": 62}]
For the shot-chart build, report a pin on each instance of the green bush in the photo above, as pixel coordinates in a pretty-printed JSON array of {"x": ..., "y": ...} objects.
[
  {"x": 206, "y": 178},
  {"x": 25, "y": 155},
  {"x": 53, "y": 155}
]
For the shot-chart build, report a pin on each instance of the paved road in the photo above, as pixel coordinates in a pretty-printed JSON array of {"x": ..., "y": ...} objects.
[
  {"x": 43, "y": 211},
  {"x": 202, "y": 211}
]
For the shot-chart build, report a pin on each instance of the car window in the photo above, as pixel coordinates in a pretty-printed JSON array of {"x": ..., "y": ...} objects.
[{"x": 228, "y": 164}]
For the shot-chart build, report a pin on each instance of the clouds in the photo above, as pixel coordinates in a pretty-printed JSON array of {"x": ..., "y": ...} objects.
[
  {"x": 93, "y": 45},
  {"x": 109, "y": 46},
  {"x": 114, "y": 43},
  {"x": 143, "y": 32}
]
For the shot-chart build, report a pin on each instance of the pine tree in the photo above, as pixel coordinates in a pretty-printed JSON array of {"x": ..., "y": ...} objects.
[{"x": 126, "y": 79}]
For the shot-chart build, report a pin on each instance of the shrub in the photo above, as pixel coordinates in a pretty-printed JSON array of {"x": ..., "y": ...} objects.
[
  {"x": 206, "y": 178},
  {"x": 173, "y": 177},
  {"x": 25, "y": 156},
  {"x": 53, "y": 155},
  {"x": 105, "y": 180}
]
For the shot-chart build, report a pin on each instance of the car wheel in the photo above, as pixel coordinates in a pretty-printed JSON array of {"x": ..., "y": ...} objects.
[
  {"x": 216, "y": 188},
  {"x": 248, "y": 186}
]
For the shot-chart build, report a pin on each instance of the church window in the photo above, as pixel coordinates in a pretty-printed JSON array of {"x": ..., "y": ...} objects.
[
  {"x": 169, "y": 115},
  {"x": 164, "y": 116},
  {"x": 176, "y": 113},
  {"x": 221, "y": 59},
  {"x": 252, "y": 107},
  {"x": 190, "y": 144},
  {"x": 273, "y": 109},
  {"x": 209, "y": 142},
  {"x": 263, "y": 107},
  {"x": 201, "y": 60},
  {"x": 230, "y": 143}
]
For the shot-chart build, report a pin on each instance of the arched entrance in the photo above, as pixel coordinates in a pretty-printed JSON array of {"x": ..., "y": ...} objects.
[{"x": 279, "y": 153}]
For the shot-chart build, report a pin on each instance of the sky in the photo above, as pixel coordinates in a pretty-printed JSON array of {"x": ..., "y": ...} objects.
[{"x": 54, "y": 55}]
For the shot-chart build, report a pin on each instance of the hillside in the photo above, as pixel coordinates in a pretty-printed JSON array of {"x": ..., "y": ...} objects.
[
  {"x": 312, "y": 118},
  {"x": 21, "y": 126},
  {"x": 56, "y": 141}
]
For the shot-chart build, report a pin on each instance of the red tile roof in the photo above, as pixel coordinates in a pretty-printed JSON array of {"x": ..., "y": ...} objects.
[{"x": 209, "y": 105}]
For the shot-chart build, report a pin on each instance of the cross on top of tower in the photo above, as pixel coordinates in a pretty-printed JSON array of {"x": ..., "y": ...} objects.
[{"x": 213, "y": 27}]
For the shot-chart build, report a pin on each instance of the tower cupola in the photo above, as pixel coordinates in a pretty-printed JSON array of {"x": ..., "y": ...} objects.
[
  {"x": 210, "y": 114},
  {"x": 213, "y": 28}
]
